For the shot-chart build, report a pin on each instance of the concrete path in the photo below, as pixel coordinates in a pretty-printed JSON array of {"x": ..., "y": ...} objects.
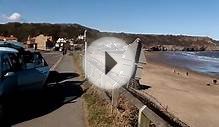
[{"x": 71, "y": 113}]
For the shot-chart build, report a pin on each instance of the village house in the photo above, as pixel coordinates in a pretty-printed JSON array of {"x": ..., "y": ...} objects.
[
  {"x": 79, "y": 42},
  {"x": 60, "y": 44},
  {"x": 43, "y": 42},
  {"x": 30, "y": 42},
  {"x": 83, "y": 37},
  {"x": 11, "y": 38}
]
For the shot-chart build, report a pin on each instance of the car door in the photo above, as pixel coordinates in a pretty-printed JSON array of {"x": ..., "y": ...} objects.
[
  {"x": 8, "y": 80},
  {"x": 33, "y": 73},
  {"x": 41, "y": 67}
]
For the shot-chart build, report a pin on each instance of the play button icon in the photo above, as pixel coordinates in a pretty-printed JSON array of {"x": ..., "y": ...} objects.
[{"x": 109, "y": 63}]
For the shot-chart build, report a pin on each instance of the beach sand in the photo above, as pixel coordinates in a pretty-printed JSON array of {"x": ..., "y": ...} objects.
[{"x": 187, "y": 97}]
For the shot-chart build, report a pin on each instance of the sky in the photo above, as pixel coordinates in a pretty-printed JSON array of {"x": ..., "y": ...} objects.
[{"x": 187, "y": 17}]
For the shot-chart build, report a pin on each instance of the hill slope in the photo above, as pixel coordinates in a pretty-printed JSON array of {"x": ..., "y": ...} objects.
[{"x": 23, "y": 30}]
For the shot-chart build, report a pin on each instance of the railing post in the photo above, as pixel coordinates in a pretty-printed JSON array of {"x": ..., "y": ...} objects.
[{"x": 141, "y": 123}]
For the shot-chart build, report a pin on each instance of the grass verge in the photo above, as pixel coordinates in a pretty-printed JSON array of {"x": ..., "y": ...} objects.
[
  {"x": 98, "y": 111},
  {"x": 78, "y": 61}
]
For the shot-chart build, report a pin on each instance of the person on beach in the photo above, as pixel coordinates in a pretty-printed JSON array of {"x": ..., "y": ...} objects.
[
  {"x": 215, "y": 81},
  {"x": 174, "y": 71}
]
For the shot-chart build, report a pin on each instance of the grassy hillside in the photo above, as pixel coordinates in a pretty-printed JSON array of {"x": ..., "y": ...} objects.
[{"x": 23, "y": 30}]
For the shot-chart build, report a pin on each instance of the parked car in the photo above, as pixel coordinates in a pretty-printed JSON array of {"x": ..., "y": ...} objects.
[{"x": 20, "y": 70}]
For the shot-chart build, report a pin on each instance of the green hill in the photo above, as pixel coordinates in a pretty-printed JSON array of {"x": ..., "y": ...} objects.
[{"x": 23, "y": 30}]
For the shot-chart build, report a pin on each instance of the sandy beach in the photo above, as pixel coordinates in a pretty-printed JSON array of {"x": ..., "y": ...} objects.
[{"x": 187, "y": 97}]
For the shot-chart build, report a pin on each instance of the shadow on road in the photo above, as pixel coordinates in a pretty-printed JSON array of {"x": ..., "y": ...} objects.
[
  {"x": 27, "y": 106},
  {"x": 55, "y": 77}
]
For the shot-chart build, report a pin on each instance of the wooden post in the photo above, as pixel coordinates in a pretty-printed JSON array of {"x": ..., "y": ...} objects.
[
  {"x": 115, "y": 97},
  {"x": 85, "y": 55},
  {"x": 143, "y": 121}
]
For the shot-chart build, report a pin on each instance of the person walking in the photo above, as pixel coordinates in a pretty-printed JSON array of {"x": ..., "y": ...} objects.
[{"x": 64, "y": 51}]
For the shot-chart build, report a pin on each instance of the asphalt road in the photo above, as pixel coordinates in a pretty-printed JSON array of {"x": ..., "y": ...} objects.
[
  {"x": 51, "y": 57},
  {"x": 59, "y": 105}
]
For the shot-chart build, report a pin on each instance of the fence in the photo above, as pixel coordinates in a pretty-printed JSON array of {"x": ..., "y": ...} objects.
[{"x": 151, "y": 112}]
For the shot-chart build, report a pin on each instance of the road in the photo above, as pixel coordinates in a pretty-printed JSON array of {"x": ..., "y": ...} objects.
[
  {"x": 51, "y": 57},
  {"x": 59, "y": 105}
]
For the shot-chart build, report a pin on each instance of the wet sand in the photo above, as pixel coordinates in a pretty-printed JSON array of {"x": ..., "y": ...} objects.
[{"x": 187, "y": 97}]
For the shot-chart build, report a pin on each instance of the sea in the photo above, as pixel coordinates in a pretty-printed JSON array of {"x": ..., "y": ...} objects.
[{"x": 204, "y": 62}]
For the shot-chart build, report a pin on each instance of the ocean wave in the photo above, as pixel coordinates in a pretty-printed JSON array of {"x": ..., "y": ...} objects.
[
  {"x": 197, "y": 61},
  {"x": 200, "y": 57}
]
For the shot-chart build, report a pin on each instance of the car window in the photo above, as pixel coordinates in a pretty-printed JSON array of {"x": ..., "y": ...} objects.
[
  {"x": 13, "y": 58},
  {"x": 6, "y": 64},
  {"x": 38, "y": 60},
  {"x": 34, "y": 60}
]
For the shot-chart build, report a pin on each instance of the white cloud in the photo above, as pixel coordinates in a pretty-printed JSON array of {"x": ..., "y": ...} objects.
[{"x": 14, "y": 17}]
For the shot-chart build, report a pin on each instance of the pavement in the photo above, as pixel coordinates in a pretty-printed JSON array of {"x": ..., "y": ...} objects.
[{"x": 61, "y": 103}]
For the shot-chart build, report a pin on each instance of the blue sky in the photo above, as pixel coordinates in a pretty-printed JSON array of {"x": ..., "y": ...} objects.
[{"x": 189, "y": 17}]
